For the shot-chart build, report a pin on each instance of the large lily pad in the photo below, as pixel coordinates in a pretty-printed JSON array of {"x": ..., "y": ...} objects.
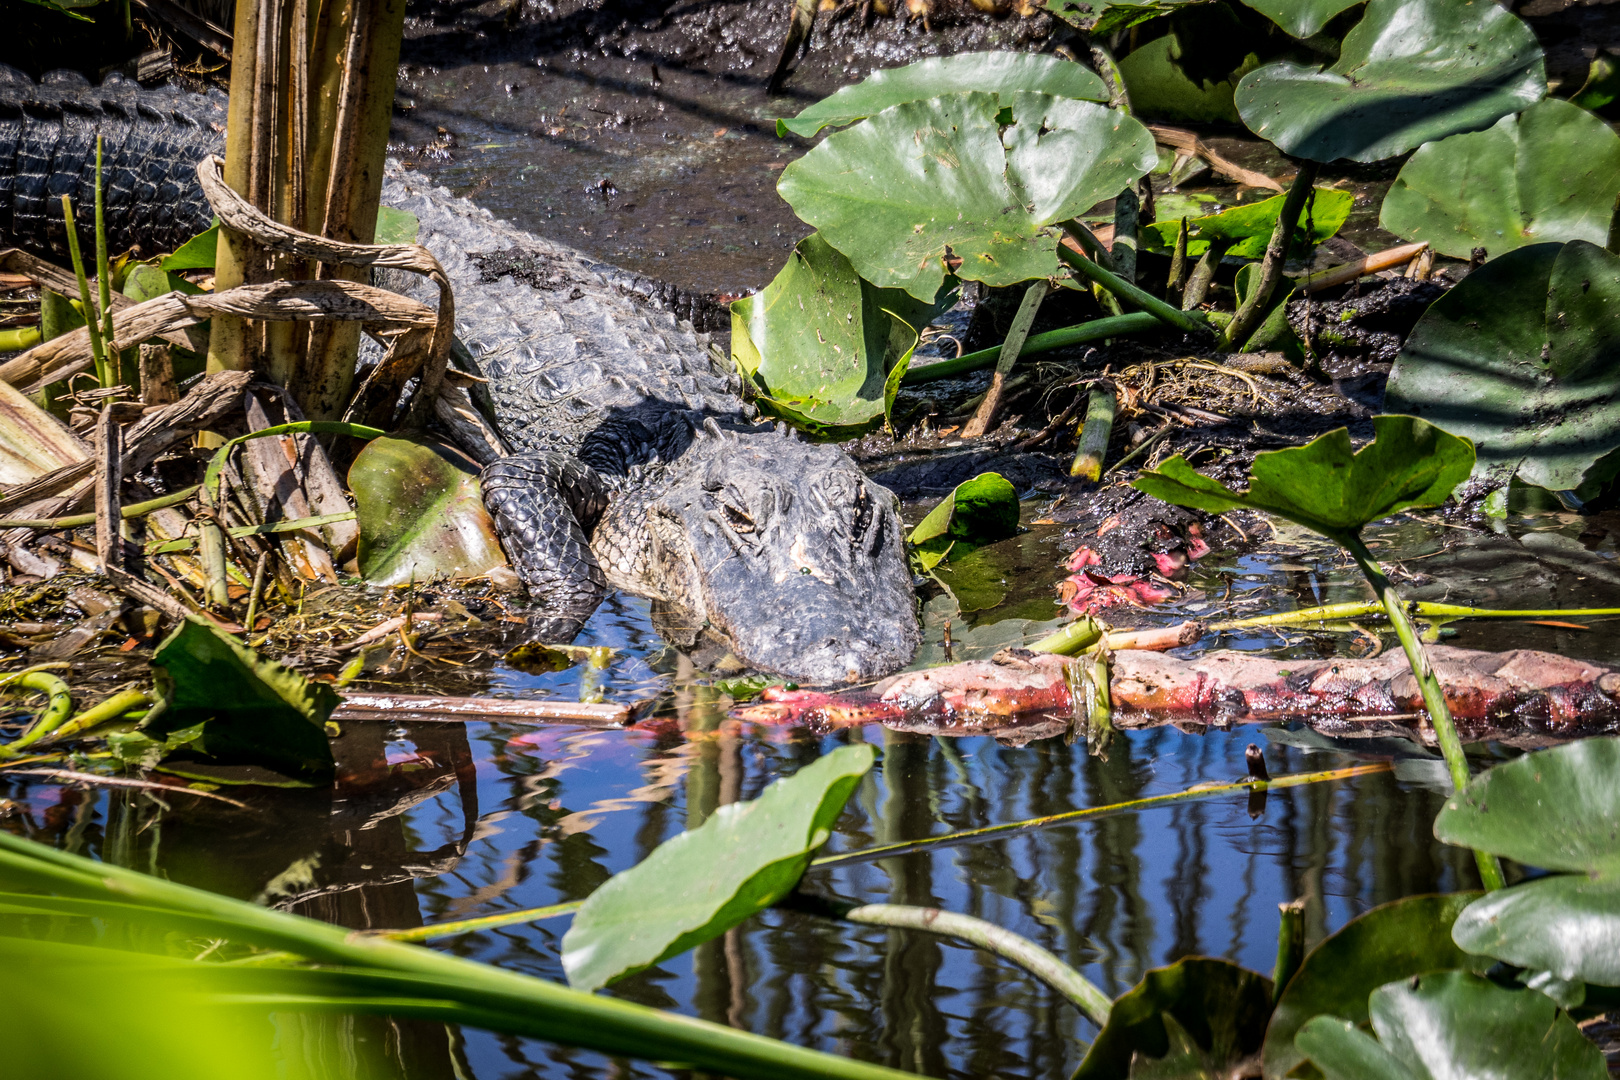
[
  {"x": 421, "y": 513},
  {"x": 1523, "y": 357},
  {"x": 1557, "y": 809},
  {"x": 249, "y": 711},
  {"x": 1250, "y": 226},
  {"x": 998, "y": 72},
  {"x": 1327, "y": 486},
  {"x": 1410, "y": 72},
  {"x": 700, "y": 884},
  {"x": 1195, "y": 1018},
  {"x": 1394, "y": 941},
  {"x": 1301, "y": 18},
  {"x": 1454, "y": 1024},
  {"x": 824, "y": 346},
  {"x": 1549, "y": 174},
  {"x": 983, "y": 178}
]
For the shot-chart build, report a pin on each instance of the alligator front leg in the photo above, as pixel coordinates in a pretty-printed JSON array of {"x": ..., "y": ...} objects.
[{"x": 543, "y": 505}]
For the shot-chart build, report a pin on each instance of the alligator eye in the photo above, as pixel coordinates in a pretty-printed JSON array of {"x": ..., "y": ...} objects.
[
  {"x": 738, "y": 520},
  {"x": 863, "y": 514}
]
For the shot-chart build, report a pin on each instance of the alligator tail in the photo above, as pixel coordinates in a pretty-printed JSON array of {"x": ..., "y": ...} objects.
[{"x": 152, "y": 141}]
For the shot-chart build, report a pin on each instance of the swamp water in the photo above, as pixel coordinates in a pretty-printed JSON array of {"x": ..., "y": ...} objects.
[{"x": 439, "y": 821}]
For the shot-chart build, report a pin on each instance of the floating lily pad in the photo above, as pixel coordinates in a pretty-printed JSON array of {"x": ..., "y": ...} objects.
[
  {"x": 1454, "y": 1024},
  {"x": 1523, "y": 357},
  {"x": 978, "y": 511},
  {"x": 1394, "y": 941},
  {"x": 824, "y": 346},
  {"x": 1198, "y": 1017},
  {"x": 1410, "y": 72},
  {"x": 421, "y": 513},
  {"x": 1557, "y": 809},
  {"x": 251, "y": 711},
  {"x": 1250, "y": 226},
  {"x": 998, "y": 72},
  {"x": 1326, "y": 485},
  {"x": 977, "y": 177},
  {"x": 1549, "y": 174},
  {"x": 700, "y": 884}
]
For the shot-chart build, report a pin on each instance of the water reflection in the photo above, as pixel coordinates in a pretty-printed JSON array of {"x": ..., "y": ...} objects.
[{"x": 432, "y": 822}]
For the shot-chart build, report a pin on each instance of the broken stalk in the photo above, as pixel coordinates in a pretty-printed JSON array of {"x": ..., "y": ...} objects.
[
  {"x": 1434, "y": 697},
  {"x": 97, "y": 353},
  {"x": 1099, "y": 426},
  {"x": 1178, "y": 266},
  {"x": 1203, "y": 274}
]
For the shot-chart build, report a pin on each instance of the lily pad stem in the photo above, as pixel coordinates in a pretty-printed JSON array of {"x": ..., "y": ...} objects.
[
  {"x": 118, "y": 705},
  {"x": 1190, "y": 322},
  {"x": 1271, "y": 266},
  {"x": 1434, "y": 696},
  {"x": 1095, "y": 330},
  {"x": 58, "y": 706}
]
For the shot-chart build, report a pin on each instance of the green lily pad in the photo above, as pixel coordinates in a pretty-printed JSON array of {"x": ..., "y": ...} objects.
[
  {"x": 396, "y": 226},
  {"x": 824, "y": 345},
  {"x": 1557, "y": 809},
  {"x": 1454, "y": 1024},
  {"x": 1521, "y": 357},
  {"x": 977, "y": 177},
  {"x": 198, "y": 253},
  {"x": 1327, "y": 486},
  {"x": 696, "y": 886},
  {"x": 1301, "y": 18},
  {"x": 998, "y": 72},
  {"x": 1549, "y": 174},
  {"x": 1161, "y": 87},
  {"x": 1250, "y": 226},
  {"x": 251, "y": 711},
  {"x": 1393, "y": 941},
  {"x": 1410, "y": 72},
  {"x": 421, "y": 513},
  {"x": 145, "y": 282},
  {"x": 978, "y": 511},
  {"x": 1196, "y": 1018}
]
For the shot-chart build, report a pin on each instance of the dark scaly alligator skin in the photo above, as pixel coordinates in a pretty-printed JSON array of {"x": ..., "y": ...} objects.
[{"x": 638, "y": 465}]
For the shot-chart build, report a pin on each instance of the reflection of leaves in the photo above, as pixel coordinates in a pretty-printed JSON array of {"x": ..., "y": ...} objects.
[
  {"x": 1411, "y": 71},
  {"x": 1327, "y": 486},
  {"x": 1557, "y": 809},
  {"x": 700, "y": 884},
  {"x": 1198, "y": 1017},
  {"x": 1452, "y": 1024},
  {"x": 999, "y": 72},
  {"x": 1519, "y": 357},
  {"x": 1395, "y": 941},
  {"x": 1548, "y": 174},
  {"x": 823, "y": 344},
  {"x": 947, "y": 176}
]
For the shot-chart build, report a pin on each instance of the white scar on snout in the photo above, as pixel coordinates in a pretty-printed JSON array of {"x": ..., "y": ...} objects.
[{"x": 801, "y": 563}]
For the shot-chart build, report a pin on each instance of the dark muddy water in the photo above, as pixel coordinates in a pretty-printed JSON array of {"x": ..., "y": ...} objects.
[{"x": 433, "y": 821}]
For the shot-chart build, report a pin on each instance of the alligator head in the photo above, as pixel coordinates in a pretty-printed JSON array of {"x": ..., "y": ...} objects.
[{"x": 786, "y": 551}]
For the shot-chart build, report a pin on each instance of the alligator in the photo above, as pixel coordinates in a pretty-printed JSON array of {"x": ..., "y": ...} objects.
[{"x": 637, "y": 463}]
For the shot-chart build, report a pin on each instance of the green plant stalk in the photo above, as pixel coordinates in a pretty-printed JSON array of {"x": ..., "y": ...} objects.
[
  {"x": 1189, "y": 322},
  {"x": 74, "y": 521},
  {"x": 1423, "y": 608},
  {"x": 97, "y": 353},
  {"x": 996, "y": 832},
  {"x": 237, "y": 532},
  {"x": 213, "y": 476},
  {"x": 1073, "y": 638},
  {"x": 19, "y": 340},
  {"x": 115, "y": 366},
  {"x": 1290, "y": 946},
  {"x": 58, "y": 706},
  {"x": 125, "y": 701},
  {"x": 461, "y": 987},
  {"x": 1434, "y": 696},
  {"x": 1178, "y": 266},
  {"x": 1253, "y": 310},
  {"x": 1087, "y": 239},
  {"x": 1095, "y": 433},
  {"x": 487, "y": 922},
  {"x": 1040, "y": 962},
  {"x": 1095, "y": 330},
  {"x": 1203, "y": 275}
]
